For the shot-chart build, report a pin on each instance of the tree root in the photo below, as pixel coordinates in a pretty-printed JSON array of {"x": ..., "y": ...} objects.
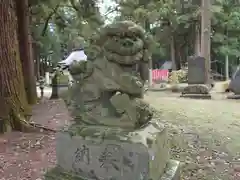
[
  {"x": 34, "y": 127},
  {"x": 20, "y": 121},
  {"x": 42, "y": 128}
]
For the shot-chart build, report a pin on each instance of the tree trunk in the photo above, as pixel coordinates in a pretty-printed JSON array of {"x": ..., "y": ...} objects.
[
  {"x": 150, "y": 80},
  {"x": 173, "y": 54},
  {"x": 227, "y": 61},
  {"x": 206, "y": 38},
  {"x": 25, "y": 42},
  {"x": 41, "y": 66},
  {"x": 37, "y": 63},
  {"x": 226, "y": 67},
  {"x": 13, "y": 107},
  {"x": 178, "y": 60},
  {"x": 150, "y": 63},
  {"x": 55, "y": 94}
]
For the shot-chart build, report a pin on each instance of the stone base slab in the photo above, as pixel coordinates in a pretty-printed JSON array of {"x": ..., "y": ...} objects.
[
  {"x": 196, "y": 89},
  {"x": 234, "y": 96},
  {"x": 197, "y": 96},
  {"x": 172, "y": 172},
  {"x": 114, "y": 153}
]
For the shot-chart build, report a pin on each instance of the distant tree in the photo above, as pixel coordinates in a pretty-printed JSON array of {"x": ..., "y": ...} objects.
[{"x": 176, "y": 26}]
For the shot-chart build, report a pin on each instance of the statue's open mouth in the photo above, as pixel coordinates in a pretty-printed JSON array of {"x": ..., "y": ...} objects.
[
  {"x": 124, "y": 46},
  {"x": 124, "y": 50},
  {"x": 125, "y": 61}
]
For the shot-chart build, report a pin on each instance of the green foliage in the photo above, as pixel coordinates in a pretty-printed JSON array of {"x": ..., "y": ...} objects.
[
  {"x": 179, "y": 76},
  {"x": 179, "y": 19},
  {"x": 58, "y": 26}
]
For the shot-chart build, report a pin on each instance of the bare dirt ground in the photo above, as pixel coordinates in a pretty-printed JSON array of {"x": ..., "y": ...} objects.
[
  {"x": 27, "y": 156},
  {"x": 205, "y": 134}
]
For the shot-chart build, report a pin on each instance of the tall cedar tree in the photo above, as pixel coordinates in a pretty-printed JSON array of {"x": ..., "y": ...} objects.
[
  {"x": 25, "y": 42},
  {"x": 13, "y": 106}
]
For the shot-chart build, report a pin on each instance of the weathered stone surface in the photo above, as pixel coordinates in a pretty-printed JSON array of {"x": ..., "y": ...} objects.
[
  {"x": 196, "y": 89},
  {"x": 111, "y": 153},
  {"x": 172, "y": 171},
  {"x": 177, "y": 88},
  {"x": 234, "y": 85},
  {"x": 196, "y": 70},
  {"x": 197, "y": 96},
  {"x": 109, "y": 89},
  {"x": 114, "y": 136}
]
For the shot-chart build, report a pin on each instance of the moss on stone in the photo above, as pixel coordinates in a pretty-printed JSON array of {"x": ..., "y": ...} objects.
[{"x": 59, "y": 174}]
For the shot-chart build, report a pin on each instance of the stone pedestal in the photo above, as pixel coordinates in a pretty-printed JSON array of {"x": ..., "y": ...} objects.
[
  {"x": 196, "y": 91},
  {"x": 101, "y": 153},
  {"x": 197, "y": 79},
  {"x": 234, "y": 85}
]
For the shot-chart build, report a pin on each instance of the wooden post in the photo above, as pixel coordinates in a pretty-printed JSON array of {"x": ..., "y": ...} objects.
[
  {"x": 206, "y": 37},
  {"x": 150, "y": 81}
]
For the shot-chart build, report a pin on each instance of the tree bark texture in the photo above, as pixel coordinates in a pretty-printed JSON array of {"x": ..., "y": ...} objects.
[
  {"x": 206, "y": 37},
  {"x": 37, "y": 61},
  {"x": 25, "y": 42},
  {"x": 172, "y": 44},
  {"x": 13, "y": 106}
]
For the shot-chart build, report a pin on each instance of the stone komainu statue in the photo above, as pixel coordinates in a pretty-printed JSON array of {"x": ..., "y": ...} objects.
[
  {"x": 108, "y": 88},
  {"x": 113, "y": 137}
]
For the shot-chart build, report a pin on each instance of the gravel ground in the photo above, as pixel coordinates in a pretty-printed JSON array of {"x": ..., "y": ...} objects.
[{"x": 205, "y": 134}]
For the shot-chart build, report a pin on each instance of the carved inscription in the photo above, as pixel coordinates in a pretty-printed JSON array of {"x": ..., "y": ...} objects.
[
  {"x": 111, "y": 160},
  {"x": 111, "y": 157},
  {"x": 81, "y": 155}
]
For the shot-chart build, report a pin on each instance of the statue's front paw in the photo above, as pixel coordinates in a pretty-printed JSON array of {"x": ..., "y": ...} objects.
[
  {"x": 144, "y": 112},
  {"x": 130, "y": 80}
]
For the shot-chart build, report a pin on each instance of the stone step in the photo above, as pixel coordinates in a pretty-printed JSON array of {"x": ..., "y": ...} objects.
[
  {"x": 171, "y": 172},
  {"x": 196, "y": 96}
]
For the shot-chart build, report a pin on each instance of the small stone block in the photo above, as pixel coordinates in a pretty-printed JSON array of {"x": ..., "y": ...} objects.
[
  {"x": 196, "y": 89},
  {"x": 234, "y": 84},
  {"x": 172, "y": 171},
  {"x": 234, "y": 96},
  {"x": 197, "y": 96}
]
